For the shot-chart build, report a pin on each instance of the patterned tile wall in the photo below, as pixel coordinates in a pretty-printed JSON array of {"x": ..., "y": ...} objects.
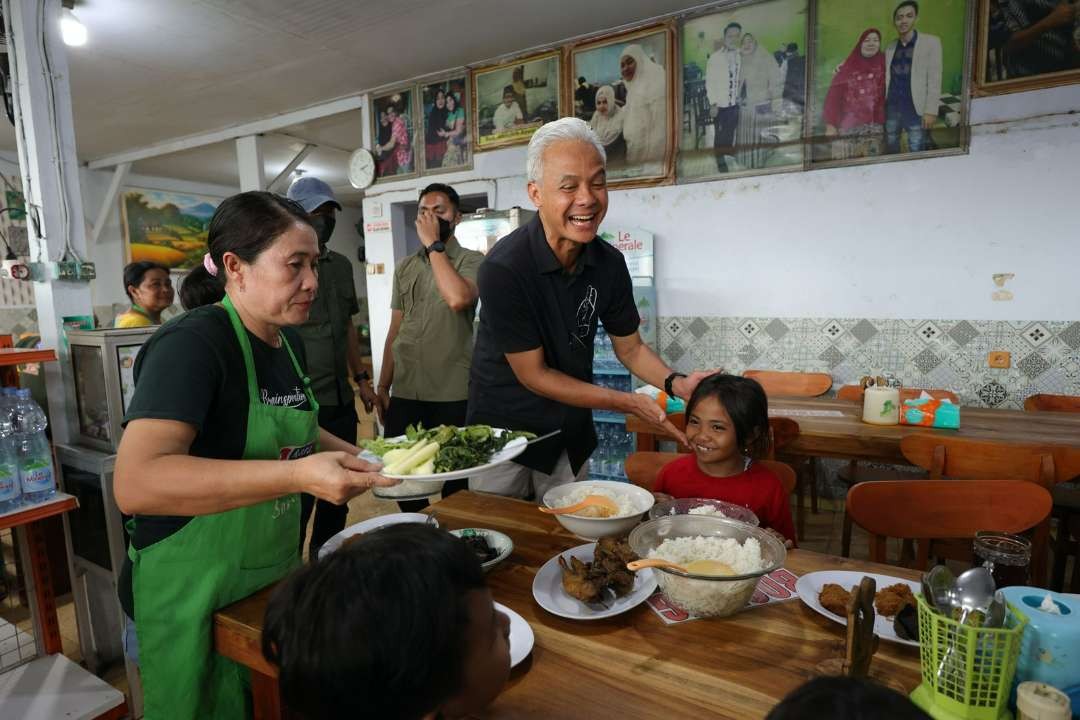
[{"x": 948, "y": 354}]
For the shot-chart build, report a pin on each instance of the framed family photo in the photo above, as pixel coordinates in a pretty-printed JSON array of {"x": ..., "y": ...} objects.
[
  {"x": 394, "y": 124},
  {"x": 169, "y": 228},
  {"x": 446, "y": 110},
  {"x": 889, "y": 79},
  {"x": 512, "y": 99},
  {"x": 1026, "y": 44},
  {"x": 624, "y": 86},
  {"x": 744, "y": 90}
]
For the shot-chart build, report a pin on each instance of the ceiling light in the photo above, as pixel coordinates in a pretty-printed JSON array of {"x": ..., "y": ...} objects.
[{"x": 73, "y": 31}]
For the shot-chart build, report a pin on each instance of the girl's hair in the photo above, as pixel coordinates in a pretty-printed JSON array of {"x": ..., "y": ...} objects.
[
  {"x": 746, "y": 404},
  {"x": 845, "y": 698},
  {"x": 200, "y": 288},
  {"x": 248, "y": 223},
  {"x": 136, "y": 271},
  {"x": 378, "y": 628}
]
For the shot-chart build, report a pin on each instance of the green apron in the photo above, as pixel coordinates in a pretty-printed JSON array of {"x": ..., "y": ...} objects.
[{"x": 215, "y": 560}]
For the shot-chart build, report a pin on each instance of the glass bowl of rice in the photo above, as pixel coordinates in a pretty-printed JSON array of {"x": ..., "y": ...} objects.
[
  {"x": 632, "y": 500},
  {"x": 704, "y": 506},
  {"x": 748, "y": 551}
]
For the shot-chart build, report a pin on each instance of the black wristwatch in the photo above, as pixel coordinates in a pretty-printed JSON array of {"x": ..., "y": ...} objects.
[
  {"x": 437, "y": 246},
  {"x": 670, "y": 380},
  {"x": 361, "y": 376}
]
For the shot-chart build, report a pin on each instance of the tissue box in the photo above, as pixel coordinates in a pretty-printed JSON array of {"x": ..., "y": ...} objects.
[{"x": 930, "y": 412}]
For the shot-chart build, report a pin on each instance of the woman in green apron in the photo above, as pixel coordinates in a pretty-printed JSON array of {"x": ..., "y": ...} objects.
[
  {"x": 220, "y": 402},
  {"x": 150, "y": 290}
]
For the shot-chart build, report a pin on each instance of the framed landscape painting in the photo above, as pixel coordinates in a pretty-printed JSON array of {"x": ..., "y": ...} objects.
[{"x": 169, "y": 228}]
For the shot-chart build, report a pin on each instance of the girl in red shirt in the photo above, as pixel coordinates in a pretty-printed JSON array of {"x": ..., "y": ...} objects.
[{"x": 727, "y": 426}]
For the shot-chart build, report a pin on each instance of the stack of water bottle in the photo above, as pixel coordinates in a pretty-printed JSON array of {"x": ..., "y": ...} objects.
[
  {"x": 26, "y": 468},
  {"x": 614, "y": 443}
]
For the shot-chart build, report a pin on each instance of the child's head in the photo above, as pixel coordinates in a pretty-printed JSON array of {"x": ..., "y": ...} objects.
[
  {"x": 845, "y": 698},
  {"x": 508, "y": 95},
  {"x": 398, "y": 625},
  {"x": 727, "y": 415}
]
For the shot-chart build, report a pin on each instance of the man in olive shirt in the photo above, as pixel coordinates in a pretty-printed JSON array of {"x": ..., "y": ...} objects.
[
  {"x": 332, "y": 348},
  {"x": 429, "y": 346}
]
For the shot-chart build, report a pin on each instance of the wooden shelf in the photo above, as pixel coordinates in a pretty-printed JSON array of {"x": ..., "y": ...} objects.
[
  {"x": 57, "y": 504},
  {"x": 22, "y": 356}
]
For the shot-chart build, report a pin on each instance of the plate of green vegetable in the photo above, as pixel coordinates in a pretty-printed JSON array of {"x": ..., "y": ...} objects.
[{"x": 424, "y": 459}]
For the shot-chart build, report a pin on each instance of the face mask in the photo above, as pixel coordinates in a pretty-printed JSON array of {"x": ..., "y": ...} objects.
[
  {"x": 445, "y": 229},
  {"x": 324, "y": 227}
]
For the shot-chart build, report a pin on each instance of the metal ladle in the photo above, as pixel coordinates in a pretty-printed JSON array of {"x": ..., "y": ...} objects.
[
  {"x": 936, "y": 585},
  {"x": 973, "y": 592}
]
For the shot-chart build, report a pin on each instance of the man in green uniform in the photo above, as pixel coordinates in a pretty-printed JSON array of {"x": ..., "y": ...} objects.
[
  {"x": 429, "y": 346},
  {"x": 332, "y": 348}
]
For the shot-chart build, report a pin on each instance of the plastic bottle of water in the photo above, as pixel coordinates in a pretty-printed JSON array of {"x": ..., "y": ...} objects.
[
  {"x": 10, "y": 488},
  {"x": 34, "y": 453}
]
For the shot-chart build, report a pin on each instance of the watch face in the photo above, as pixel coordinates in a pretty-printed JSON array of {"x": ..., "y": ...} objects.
[{"x": 361, "y": 169}]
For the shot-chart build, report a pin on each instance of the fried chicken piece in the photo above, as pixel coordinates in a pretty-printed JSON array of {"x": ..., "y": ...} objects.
[
  {"x": 576, "y": 580},
  {"x": 835, "y": 599},
  {"x": 893, "y": 599}
]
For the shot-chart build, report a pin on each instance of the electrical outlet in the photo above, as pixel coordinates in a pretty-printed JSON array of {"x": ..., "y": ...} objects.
[{"x": 999, "y": 359}]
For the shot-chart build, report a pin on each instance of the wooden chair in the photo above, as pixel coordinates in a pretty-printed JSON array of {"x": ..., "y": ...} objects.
[
  {"x": 951, "y": 457},
  {"x": 797, "y": 384},
  {"x": 643, "y": 467},
  {"x": 1066, "y": 505},
  {"x": 1052, "y": 403},
  {"x": 925, "y": 510},
  {"x": 791, "y": 384},
  {"x": 853, "y": 473}
]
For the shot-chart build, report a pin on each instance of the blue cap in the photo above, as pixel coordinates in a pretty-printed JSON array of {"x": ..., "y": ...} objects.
[{"x": 311, "y": 192}]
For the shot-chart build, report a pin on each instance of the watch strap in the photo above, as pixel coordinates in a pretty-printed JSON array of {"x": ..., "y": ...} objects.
[{"x": 670, "y": 380}]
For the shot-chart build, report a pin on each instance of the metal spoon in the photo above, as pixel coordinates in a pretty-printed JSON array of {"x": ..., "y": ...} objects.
[
  {"x": 973, "y": 592},
  {"x": 936, "y": 585},
  {"x": 995, "y": 614}
]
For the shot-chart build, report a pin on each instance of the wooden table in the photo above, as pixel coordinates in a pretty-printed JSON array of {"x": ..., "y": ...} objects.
[
  {"x": 629, "y": 666},
  {"x": 844, "y": 435}
]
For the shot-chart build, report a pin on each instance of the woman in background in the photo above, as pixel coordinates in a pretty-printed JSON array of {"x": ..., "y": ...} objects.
[
  {"x": 453, "y": 133},
  {"x": 855, "y": 104},
  {"x": 607, "y": 123},
  {"x": 645, "y": 121},
  {"x": 434, "y": 138},
  {"x": 760, "y": 88},
  {"x": 150, "y": 290}
]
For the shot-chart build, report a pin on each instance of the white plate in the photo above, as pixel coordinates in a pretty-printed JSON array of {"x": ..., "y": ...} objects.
[
  {"x": 500, "y": 542},
  {"x": 424, "y": 485},
  {"x": 521, "y": 635},
  {"x": 548, "y": 590},
  {"x": 371, "y": 524},
  {"x": 809, "y": 587}
]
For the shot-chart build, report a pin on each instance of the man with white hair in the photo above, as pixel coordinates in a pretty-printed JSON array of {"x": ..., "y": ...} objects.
[{"x": 543, "y": 288}]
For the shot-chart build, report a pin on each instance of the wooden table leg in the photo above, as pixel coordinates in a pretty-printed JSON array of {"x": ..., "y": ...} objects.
[
  {"x": 49, "y": 643},
  {"x": 265, "y": 697}
]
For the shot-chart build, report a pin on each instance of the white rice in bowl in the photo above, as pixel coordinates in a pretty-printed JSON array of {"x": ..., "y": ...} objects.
[
  {"x": 710, "y": 598},
  {"x": 703, "y": 510},
  {"x": 627, "y": 503}
]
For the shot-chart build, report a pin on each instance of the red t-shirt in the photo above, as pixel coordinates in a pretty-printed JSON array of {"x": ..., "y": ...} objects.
[{"x": 756, "y": 488}]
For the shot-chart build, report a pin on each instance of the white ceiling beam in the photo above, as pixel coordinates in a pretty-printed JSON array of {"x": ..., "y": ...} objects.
[
  {"x": 118, "y": 178},
  {"x": 249, "y": 161},
  {"x": 293, "y": 164},
  {"x": 233, "y": 132}
]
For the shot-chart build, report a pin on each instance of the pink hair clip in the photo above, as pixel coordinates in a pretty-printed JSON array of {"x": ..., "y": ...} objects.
[{"x": 208, "y": 263}]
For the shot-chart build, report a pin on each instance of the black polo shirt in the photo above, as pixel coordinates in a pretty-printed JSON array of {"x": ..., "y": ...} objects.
[{"x": 528, "y": 301}]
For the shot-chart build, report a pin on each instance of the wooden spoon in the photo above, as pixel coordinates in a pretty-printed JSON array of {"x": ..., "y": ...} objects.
[
  {"x": 713, "y": 568},
  {"x": 599, "y": 501}
]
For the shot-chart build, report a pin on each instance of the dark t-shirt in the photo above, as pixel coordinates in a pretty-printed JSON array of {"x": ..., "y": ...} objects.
[
  {"x": 192, "y": 370},
  {"x": 528, "y": 301}
]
